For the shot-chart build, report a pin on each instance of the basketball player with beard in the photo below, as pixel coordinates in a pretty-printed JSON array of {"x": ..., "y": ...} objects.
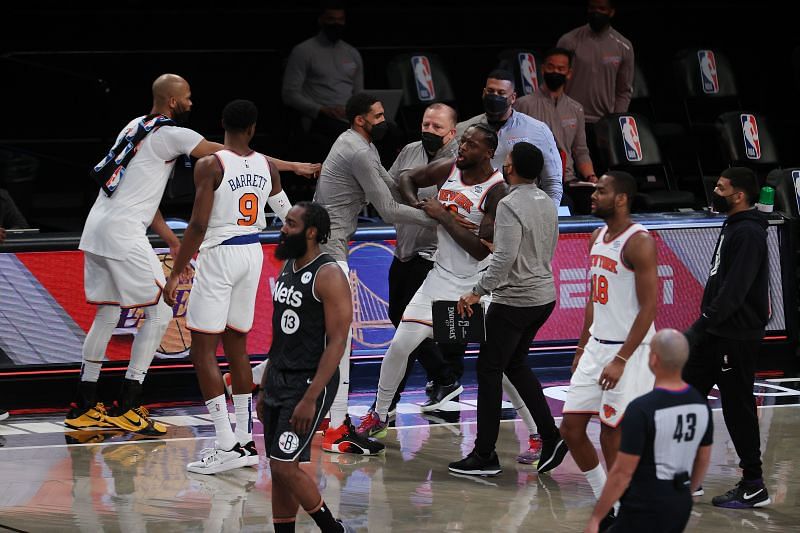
[
  {"x": 610, "y": 368},
  {"x": 311, "y": 318},
  {"x": 232, "y": 188}
]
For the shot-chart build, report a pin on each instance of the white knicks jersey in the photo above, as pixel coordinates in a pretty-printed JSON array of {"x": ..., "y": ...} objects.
[
  {"x": 241, "y": 197},
  {"x": 613, "y": 287},
  {"x": 468, "y": 201}
]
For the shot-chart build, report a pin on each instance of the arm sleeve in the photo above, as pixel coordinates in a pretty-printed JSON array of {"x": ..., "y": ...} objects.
[
  {"x": 293, "y": 79},
  {"x": 551, "y": 176},
  {"x": 580, "y": 150},
  {"x": 624, "y": 86},
  {"x": 744, "y": 250},
  {"x": 634, "y": 430},
  {"x": 507, "y": 239},
  {"x": 708, "y": 437},
  {"x": 371, "y": 176},
  {"x": 10, "y": 215}
]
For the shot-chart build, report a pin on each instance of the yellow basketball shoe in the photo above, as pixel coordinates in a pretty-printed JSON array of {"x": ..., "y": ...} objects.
[
  {"x": 91, "y": 417},
  {"x": 137, "y": 420}
]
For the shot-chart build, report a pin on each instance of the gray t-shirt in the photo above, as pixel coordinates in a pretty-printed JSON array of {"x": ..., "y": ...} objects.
[
  {"x": 413, "y": 239},
  {"x": 602, "y": 71},
  {"x": 351, "y": 176},
  {"x": 521, "y": 128},
  {"x": 525, "y": 238},
  {"x": 565, "y": 119},
  {"x": 321, "y": 74}
]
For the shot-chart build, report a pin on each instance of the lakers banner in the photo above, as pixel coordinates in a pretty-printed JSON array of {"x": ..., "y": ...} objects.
[{"x": 44, "y": 316}]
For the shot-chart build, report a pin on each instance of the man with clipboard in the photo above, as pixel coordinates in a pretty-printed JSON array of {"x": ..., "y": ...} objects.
[{"x": 520, "y": 280}]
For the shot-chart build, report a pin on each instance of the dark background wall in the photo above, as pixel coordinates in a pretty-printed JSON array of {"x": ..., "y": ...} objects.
[{"x": 72, "y": 76}]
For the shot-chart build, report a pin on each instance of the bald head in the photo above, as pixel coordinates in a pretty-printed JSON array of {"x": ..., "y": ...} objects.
[
  {"x": 168, "y": 86},
  {"x": 671, "y": 348}
]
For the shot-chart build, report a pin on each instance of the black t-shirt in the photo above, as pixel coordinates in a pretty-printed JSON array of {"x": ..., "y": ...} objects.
[
  {"x": 298, "y": 318},
  {"x": 665, "y": 428}
]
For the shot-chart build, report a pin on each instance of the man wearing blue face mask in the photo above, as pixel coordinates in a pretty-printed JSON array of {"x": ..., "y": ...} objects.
[{"x": 513, "y": 127}]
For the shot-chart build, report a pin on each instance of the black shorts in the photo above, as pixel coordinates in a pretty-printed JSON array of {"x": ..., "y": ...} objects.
[{"x": 283, "y": 392}]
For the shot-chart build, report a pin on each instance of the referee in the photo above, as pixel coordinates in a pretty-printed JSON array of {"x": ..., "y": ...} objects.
[{"x": 665, "y": 448}]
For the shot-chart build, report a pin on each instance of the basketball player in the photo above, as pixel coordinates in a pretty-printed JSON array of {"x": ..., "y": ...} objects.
[
  {"x": 120, "y": 268},
  {"x": 312, "y": 311},
  {"x": 611, "y": 366},
  {"x": 351, "y": 176},
  {"x": 470, "y": 187},
  {"x": 232, "y": 187}
]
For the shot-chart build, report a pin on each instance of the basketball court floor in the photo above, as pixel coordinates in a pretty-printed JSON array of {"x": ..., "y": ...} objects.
[{"x": 54, "y": 479}]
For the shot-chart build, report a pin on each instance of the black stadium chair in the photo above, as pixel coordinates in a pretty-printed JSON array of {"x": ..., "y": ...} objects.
[
  {"x": 706, "y": 85},
  {"x": 746, "y": 139},
  {"x": 626, "y": 142},
  {"x": 526, "y": 67}
]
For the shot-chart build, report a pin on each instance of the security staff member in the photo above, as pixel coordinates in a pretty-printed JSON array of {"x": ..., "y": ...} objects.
[
  {"x": 520, "y": 279},
  {"x": 665, "y": 448}
]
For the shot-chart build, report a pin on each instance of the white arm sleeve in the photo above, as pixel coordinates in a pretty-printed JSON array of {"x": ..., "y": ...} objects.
[{"x": 280, "y": 204}]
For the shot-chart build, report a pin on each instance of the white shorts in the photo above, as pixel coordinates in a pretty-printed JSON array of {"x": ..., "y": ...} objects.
[
  {"x": 585, "y": 395},
  {"x": 438, "y": 285},
  {"x": 135, "y": 281},
  {"x": 224, "y": 290}
]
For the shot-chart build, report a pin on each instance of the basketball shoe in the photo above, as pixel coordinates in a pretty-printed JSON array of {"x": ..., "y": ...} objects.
[
  {"x": 745, "y": 495},
  {"x": 215, "y": 460},
  {"x": 137, "y": 420},
  {"x": 3, "y": 414},
  {"x": 531, "y": 455},
  {"x": 252, "y": 453},
  {"x": 476, "y": 465},
  {"x": 90, "y": 417},
  {"x": 372, "y": 426},
  {"x": 345, "y": 439}
]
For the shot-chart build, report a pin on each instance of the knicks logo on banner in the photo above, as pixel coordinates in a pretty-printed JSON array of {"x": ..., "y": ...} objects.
[
  {"x": 423, "y": 78},
  {"x": 527, "y": 70},
  {"x": 752, "y": 147},
  {"x": 708, "y": 71},
  {"x": 630, "y": 138}
]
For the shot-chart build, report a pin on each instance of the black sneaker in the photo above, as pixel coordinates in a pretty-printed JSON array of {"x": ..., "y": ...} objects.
[
  {"x": 607, "y": 522},
  {"x": 745, "y": 495},
  {"x": 442, "y": 395},
  {"x": 553, "y": 452},
  {"x": 475, "y": 465}
]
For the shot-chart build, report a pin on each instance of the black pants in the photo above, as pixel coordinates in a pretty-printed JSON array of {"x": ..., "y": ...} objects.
[
  {"x": 661, "y": 509},
  {"x": 509, "y": 332},
  {"x": 443, "y": 364},
  {"x": 731, "y": 365}
]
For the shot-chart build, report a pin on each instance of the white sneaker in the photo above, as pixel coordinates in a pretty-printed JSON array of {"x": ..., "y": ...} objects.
[{"x": 215, "y": 460}]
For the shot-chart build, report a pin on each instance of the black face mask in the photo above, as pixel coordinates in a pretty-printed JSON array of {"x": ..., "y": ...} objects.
[
  {"x": 378, "y": 131},
  {"x": 291, "y": 246},
  {"x": 495, "y": 105},
  {"x": 333, "y": 32},
  {"x": 554, "y": 80},
  {"x": 432, "y": 142},
  {"x": 598, "y": 21},
  {"x": 720, "y": 203}
]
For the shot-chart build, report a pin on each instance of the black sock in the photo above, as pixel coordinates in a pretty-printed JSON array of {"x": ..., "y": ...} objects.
[
  {"x": 325, "y": 520},
  {"x": 283, "y": 527}
]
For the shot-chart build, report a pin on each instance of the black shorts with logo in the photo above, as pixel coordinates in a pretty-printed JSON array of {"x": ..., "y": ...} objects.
[{"x": 284, "y": 390}]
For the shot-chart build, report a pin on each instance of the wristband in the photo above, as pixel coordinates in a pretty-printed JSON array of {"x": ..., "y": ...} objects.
[{"x": 618, "y": 356}]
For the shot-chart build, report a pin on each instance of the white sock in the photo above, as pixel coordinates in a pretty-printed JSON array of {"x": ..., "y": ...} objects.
[
  {"x": 519, "y": 405},
  {"x": 90, "y": 371},
  {"x": 597, "y": 479},
  {"x": 258, "y": 372},
  {"x": 218, "y": 410},
  {"x": 243, "y": 405}
]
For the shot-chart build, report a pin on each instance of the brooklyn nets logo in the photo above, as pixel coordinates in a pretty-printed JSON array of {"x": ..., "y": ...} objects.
[{"x": 288, "y": 442}]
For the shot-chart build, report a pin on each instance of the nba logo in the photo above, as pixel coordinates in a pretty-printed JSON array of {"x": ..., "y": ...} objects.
[
  {"x": 752, "y": 147},
  {"x": 527, "y": 71},
  {"x": 630, "y": 137},
  {"x": 423, "y": 78},
  {"x": 708, "y": 71}
]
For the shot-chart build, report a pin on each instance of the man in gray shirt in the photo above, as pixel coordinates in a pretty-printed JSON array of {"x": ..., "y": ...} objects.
[
  {"x": 351, "y": 175},
  {"x": 513, "y": 127},
  {"x": 321, "y": 74},
  {"x": 520, "y": 280}
]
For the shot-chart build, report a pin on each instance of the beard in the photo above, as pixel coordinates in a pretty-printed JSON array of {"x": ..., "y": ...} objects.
[
  {"x": 181, "y": 116},
  {"x": 291, "y": 247},
  {"x": 603, "y": 212}
]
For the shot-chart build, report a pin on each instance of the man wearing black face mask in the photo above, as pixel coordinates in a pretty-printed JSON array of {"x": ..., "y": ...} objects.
[
  {"x": 351, "y": 176},
  {"x": 513, "y": 127},
  {"x": 602, "y": 67},
  {"x": 725, "y": 340},
  {"x": 321, "y": 74},
  {"x": 562, "y": 114}
]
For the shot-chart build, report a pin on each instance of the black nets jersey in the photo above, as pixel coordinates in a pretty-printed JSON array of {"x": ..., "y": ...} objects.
[{"x": 298, "y": 318}]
